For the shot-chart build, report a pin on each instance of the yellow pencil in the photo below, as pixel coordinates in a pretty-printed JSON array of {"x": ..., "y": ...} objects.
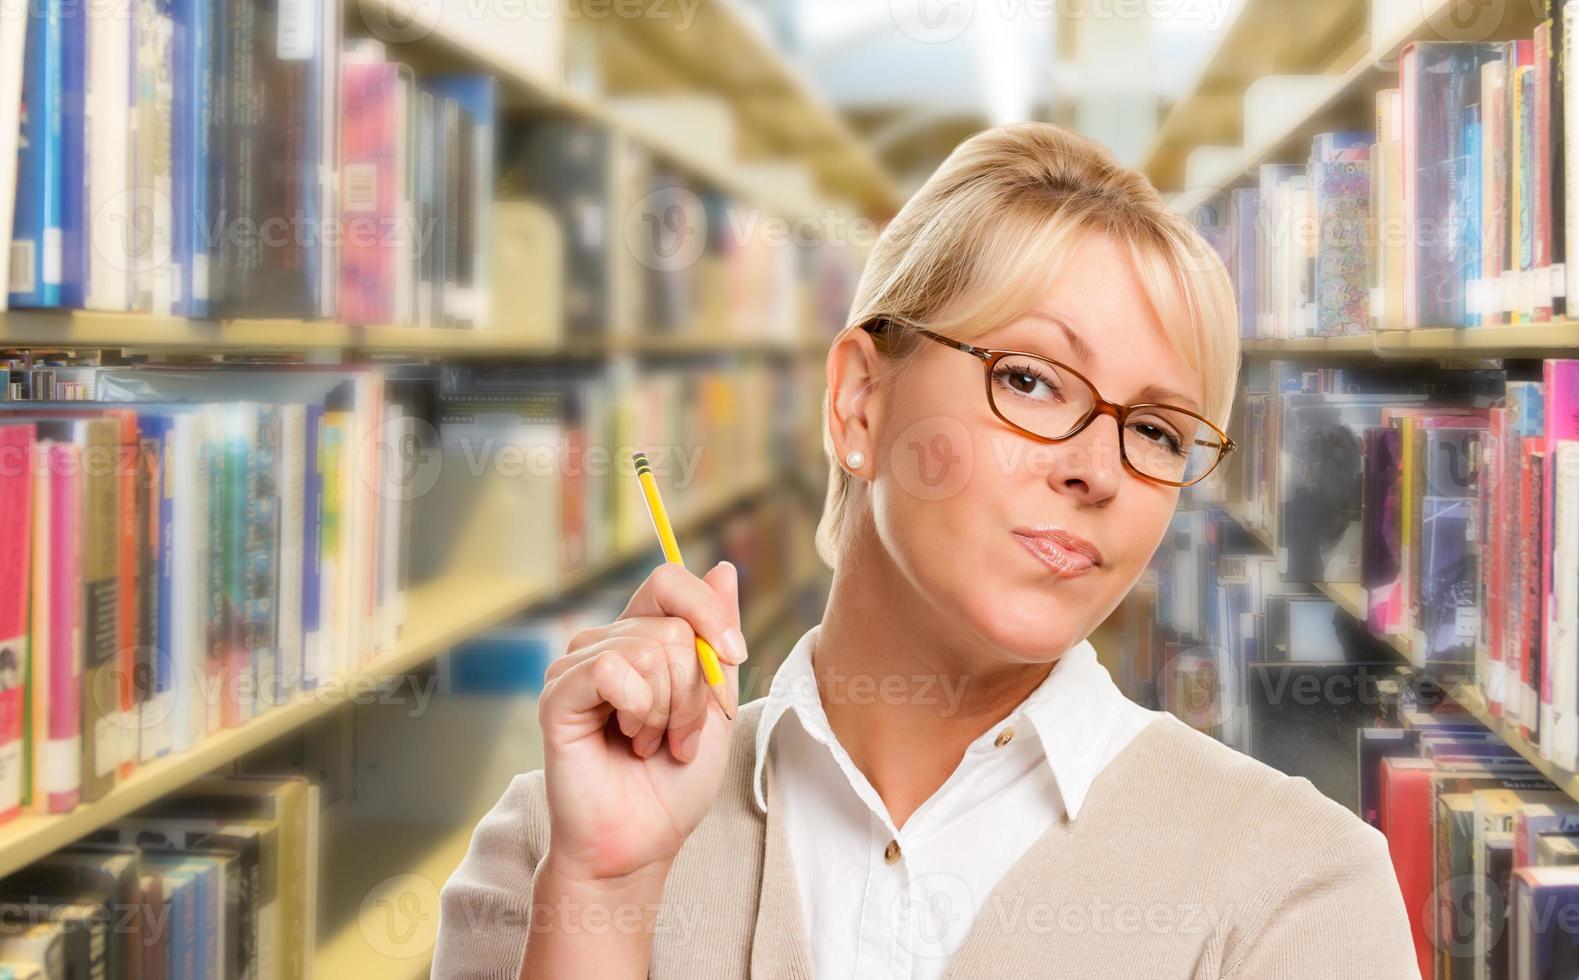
[{"x": 713, "y": 673}]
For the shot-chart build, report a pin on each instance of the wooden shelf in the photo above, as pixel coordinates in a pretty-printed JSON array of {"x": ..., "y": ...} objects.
[
  {"x": 722, "y": 51},
  {"x": 1267, "y": 37},
  {"x": 1357, "y": 71},
  {"x": 1467, "y": 696},
  {"x": 1243, "y": 520},
  {"x": 1350, "y": 597},
  {"x": 138, "y": 331},
  {"x": 843, "y": 157},
  {"x": 439, "y": 614},
  {"x": 1531, "y": 340}
]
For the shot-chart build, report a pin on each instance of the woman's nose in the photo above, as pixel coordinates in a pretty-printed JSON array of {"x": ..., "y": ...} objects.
[{"x": 1089, "y": 465}]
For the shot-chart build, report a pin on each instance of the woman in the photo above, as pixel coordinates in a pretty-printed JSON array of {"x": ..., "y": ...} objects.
[{"x": 942, "y": 779}]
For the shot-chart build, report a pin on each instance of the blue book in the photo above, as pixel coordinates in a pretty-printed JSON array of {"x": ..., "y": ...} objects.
[
  {"x": 72, "y": 176},
  {"x": 189, "y": 882},
  {"x": 191, "y": 129},
  {"x": 156, "y": 428},
  {"x": 36, "y": 256}
]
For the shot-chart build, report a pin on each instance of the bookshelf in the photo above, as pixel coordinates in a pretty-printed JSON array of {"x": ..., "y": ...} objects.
[
  {"x": 1353, "y": 75},
  {"x": 440, "y": 613},
  {"x": 724, "y": 51},
  {"x": 1531, "y": 340},
  {"x": 1267, "y": 37},
  {"x": 778, "y": 118},
  {"x": 89, "y": 329},
  {"x": 1350, "y": 597}
]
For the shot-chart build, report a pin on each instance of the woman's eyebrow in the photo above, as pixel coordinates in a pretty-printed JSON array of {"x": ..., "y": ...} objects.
[
  {"x": 1081, "y": 349},
  {"x": 1155, "y": 394},
  {"x": 1151, "y": 394}
]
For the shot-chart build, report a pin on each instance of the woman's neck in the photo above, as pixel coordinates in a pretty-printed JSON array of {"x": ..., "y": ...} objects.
[{"x": 903, "y": 690}]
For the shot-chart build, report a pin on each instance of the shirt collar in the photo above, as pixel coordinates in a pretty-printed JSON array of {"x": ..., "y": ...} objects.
[{"x": 1073, "y": 713}]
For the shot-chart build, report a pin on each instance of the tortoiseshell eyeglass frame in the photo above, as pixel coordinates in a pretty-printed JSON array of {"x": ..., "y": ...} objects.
[{"x": 1099, "y": 406}]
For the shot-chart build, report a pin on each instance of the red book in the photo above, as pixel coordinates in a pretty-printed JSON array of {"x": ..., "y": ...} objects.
[
  {"x": 16, "y": 490},
  {"x": 1532, "y": 498},
  {"x": 376, "y": 253},
  {"x": 1494, "y": 541},
  {"x": 61, "y": 777},
  {"x": 1561, "y": 381},
  {"x": 1406, "y": 822}
]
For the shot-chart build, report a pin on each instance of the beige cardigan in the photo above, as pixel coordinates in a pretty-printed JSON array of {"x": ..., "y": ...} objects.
[{"x": 1188, "y": 860}]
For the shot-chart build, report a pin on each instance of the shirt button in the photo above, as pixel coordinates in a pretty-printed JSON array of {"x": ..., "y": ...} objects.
[
  {"x": 1004, "y": 737},
  {"x": 891, "y": 852}
]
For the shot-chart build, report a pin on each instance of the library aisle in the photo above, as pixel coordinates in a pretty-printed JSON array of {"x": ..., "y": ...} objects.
[{"x": 330, "y": 330}]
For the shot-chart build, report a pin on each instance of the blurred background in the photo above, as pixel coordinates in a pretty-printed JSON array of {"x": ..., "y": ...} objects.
[{"x": 369, "y": 302}]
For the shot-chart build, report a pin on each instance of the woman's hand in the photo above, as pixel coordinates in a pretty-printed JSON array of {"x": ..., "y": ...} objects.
[{"x": 634, "y": 742}]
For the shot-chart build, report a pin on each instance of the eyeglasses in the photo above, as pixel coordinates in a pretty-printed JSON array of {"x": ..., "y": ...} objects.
[{"x": 1051, "y": 402}]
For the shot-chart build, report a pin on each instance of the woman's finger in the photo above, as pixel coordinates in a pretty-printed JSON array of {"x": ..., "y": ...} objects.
[
  {"x": 671, "y": 590},
  {"x": 578, "y": 700}
]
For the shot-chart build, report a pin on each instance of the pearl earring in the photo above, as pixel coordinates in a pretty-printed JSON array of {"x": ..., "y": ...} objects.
[{"x": 855, "y": 459}]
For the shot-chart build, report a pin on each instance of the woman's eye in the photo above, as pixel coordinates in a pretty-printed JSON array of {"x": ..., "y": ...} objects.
[
  {"x": 1157, "y": 435},
  {"x": 1027, "y": 382}
]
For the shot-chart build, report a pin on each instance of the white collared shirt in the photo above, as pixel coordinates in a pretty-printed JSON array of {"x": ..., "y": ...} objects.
[{"x": 884, "y": 902}]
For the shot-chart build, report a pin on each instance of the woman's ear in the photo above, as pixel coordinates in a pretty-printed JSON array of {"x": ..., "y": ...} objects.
[{"x": 854, "y": 401}]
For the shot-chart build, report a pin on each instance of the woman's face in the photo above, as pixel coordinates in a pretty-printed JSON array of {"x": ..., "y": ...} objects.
[{"x": 1032, "y": 543}]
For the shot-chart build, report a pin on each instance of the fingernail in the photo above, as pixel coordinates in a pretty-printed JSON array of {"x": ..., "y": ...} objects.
[
  {"x": 688, "y": 745},
  {"x": 735, "y": 646}
]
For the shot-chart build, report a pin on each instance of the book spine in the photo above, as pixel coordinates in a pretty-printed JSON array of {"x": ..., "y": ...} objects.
[
  {"x": 291, "y": 482},
  {"x": 367, "y": 194},
  {"x": 261, "y": 514},
  {"x": 16, "y": 482},
  {"x": 102, "y": 721},
  {"x": 1560, "y": 730},
  {"x": 240, "y": 433},
  {"x": 172, "y": 669},
  {"x": 63, "y": 771},
  {"x": 314, "y": 670},
  {"x": 193, "y": 107},
  {"x": 1567, "y": 167},
  {"x": 35, "y": 255},
  {"x": 1540, "y": 167},
  {"x": 37, "y": 731},
  {"x": 128, "y": 564},
  {"x": 74, "y": 161},
  {"x": 108, "y": 246},
  {"x": 148, "y": 683},
  {"x": 217, "y": 618}
]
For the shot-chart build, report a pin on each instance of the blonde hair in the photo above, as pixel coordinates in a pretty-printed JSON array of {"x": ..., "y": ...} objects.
[{"x": 985, "y": 236}]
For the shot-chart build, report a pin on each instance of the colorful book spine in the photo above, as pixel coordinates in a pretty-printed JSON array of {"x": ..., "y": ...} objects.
[
  {"x": 375, "y": 278},
  {"x": 194, "y": 103},
  {"x": 36, "y": 260},
  {"x": 63, "y": 762},
  {"x": 16, "y": 486},
  {"x": 1343, "y": 196}
]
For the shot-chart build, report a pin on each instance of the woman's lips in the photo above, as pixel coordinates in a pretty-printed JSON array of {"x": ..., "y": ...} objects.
[{"x": 1066, "y": 555}]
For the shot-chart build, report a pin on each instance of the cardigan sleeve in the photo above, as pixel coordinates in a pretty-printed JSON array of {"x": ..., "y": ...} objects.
[
  {"x": 485, "y": 907},
  {"x": 1340, "y": 914}
]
